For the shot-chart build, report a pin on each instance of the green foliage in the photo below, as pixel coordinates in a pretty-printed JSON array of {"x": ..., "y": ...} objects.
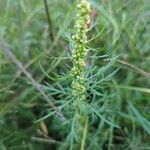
[{"x": 116, "y": 107}]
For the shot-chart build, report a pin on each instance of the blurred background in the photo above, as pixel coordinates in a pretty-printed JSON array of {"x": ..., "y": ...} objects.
[{"x": 37, "y": 31}]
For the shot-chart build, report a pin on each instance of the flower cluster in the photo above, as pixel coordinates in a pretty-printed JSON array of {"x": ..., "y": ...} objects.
[{"x": 79, "y": 52}]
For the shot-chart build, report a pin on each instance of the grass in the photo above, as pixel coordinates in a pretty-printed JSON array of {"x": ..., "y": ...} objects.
[{"x": 117, "y": 78}]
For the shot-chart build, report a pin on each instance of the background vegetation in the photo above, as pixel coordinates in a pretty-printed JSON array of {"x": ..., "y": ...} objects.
[{"x": 120, "y": 60}]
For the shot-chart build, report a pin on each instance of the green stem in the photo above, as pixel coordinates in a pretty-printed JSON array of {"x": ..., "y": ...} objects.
[
  {"x": 83, "y": 142},
  {"x": 49, "y": 21}
]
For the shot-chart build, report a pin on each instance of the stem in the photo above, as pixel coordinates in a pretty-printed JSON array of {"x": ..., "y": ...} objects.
[
  {"x": 83, "y": 142},
  {"x": 140, "y": 71},
  {"x": 49, "y": 21},
  {"x": 133, "y": 67}
]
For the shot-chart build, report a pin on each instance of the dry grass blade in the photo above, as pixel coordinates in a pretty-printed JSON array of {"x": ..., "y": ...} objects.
[{"x": 42, "y": 140}]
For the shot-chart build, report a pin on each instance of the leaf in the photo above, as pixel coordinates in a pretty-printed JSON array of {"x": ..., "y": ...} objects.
[
  {"x": 141, "y": 119},
  {"x": 140, "y": 89}
]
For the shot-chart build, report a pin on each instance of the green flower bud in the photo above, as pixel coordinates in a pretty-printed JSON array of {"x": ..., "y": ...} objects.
[{"x": 79, "y": 52}]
